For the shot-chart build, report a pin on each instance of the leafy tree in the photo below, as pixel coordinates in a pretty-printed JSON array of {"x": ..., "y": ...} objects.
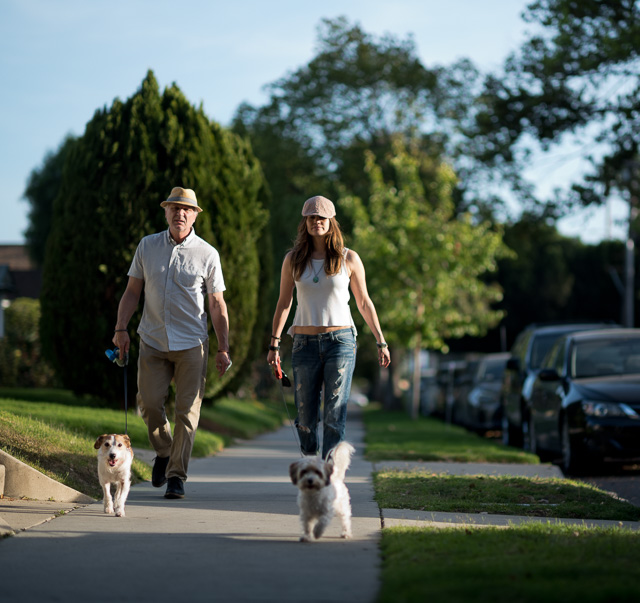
[
  {"x": 114, "y": 178},
  {"x": 42, "y": 187},
  {"x": 577, "y": 75},
  {"x": 423, "y": 262},
  {"x": 357, "y": 93}
]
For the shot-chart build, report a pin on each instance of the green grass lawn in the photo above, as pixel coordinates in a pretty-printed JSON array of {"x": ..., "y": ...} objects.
[
  {"x": 54, "y": 431},
  {"x": 395, "y": 436},
  {"x": 502, "y": 495},
  {"x": 532, "y": 563}
]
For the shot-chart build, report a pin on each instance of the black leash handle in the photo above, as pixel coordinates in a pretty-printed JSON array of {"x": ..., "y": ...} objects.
[{"x": 281, "y": 376}]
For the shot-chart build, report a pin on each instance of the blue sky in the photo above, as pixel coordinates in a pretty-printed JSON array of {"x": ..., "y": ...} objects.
[{"x": 60, "y": 60}]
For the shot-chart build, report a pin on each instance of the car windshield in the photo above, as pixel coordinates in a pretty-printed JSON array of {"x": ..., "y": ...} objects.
[{"x": 604, "y": 357}]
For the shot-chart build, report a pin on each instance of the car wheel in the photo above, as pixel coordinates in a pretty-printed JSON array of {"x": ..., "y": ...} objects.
[
  {"x": 573, "y": 458},
  {"x": 528, "y": 436},
  {"x": 511, "y": 436}
]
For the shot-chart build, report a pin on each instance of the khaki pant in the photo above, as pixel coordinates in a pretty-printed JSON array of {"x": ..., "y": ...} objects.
[{"x": 156, "y": 370}]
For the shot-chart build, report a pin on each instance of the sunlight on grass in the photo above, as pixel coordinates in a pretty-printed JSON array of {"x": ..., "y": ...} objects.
[
  {"x": 528, "y": 564},
  {"x": 54, "y": 431},
  {"x": 506, "y": 495},
  {"x": 395, "y": 436}
]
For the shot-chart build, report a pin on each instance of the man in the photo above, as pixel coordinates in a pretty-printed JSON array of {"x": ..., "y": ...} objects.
[{"x": 179, "y": 273}]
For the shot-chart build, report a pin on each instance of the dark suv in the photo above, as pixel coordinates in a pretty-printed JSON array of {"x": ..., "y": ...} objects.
[{"x": 527, "y": 353}]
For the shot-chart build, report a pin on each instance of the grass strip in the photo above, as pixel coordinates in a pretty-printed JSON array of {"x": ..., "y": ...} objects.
[
  {"x": 393, "y": 435},
  {"x": 503, "y": 495},
  {"x": 523, "y": 564}
]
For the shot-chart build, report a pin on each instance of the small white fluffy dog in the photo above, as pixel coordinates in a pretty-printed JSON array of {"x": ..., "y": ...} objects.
[
  {"x": 322, "y": 491},
  {"x": 115, "y": 456}
]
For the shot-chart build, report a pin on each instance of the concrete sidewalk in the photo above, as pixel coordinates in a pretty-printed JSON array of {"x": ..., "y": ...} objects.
[{"x": 234, "y": 537}]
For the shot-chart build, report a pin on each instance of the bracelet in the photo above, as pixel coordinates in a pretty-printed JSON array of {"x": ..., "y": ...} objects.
[
  {"x": 223, "y": 351},
  {"x": 274, "y": 337},
  {"x": 382, "y": 345},
  {"x": 274, "y": 348},
  {"x": 119, "y": 330}
]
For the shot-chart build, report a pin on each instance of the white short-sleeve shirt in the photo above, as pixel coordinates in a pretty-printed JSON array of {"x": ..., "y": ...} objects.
[{"x": 177, "y": 280}]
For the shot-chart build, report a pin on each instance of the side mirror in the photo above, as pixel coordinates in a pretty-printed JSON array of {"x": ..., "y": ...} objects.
[{"x": 548, "y": 375}]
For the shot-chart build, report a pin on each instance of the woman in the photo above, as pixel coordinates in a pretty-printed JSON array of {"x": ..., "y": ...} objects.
[{"x": 324, "y": 336}]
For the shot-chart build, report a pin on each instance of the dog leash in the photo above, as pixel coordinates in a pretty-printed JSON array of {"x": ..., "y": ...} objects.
[
  {"x": 281, "y": 376},
  {"x": 114, "y": 356}
]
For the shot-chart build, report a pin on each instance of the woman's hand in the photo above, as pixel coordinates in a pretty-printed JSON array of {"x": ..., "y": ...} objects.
[{"x": 384, "y": 357}]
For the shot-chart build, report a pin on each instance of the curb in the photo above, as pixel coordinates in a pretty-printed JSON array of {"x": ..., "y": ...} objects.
[{"x": 22, "y": 481}]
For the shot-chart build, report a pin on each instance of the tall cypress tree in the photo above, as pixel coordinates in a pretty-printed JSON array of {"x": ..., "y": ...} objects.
[{"x": 114, "y": 178}]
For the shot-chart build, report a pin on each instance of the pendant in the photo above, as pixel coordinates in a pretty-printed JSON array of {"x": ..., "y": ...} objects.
[{"x": 315, "y": 279}]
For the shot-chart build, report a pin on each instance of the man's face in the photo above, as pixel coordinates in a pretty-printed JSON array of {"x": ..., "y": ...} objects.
[{"x": 180, "y": 218}]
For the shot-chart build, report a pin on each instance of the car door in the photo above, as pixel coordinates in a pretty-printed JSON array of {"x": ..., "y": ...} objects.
[
  {"x": 512, "y": 379},
  {"x": 548, "y": 398}
]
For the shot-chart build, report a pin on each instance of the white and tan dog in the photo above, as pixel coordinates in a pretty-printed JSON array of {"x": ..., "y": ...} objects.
[
  {"x": 322, "y": 491},
  {"x": 115, "y": 456}
]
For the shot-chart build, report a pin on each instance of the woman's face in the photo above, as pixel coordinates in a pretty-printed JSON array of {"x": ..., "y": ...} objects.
[{"x": 317, "y": 226}]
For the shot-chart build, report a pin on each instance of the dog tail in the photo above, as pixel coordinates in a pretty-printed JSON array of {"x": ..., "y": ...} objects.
[{"x": 341, "y": 458}]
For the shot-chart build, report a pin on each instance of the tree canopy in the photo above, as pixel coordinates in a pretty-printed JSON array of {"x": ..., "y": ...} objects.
[
  {"x": 424, "y": 264},
  {"x": 578, "y": 75},
  {"x": 356, "y": 94},
  {"x": 115, "y": 176}
]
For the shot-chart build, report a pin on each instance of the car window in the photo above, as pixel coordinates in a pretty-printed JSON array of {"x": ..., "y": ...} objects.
[
  {"x": 540, "y": 347},
  {"x": 490, "y": 370},
  {"x": 601, "y": 358},
  {"x": 559, "y": 357},
  {"x": 519, "y": 348},
  {"x": 553, "y": 357}
]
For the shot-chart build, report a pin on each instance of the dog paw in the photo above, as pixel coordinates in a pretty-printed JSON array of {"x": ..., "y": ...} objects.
[
  {"x": 108, "y": 509},
  {"x": 119, "y": 512},
  {"x": 306, "y": 538},
  {"x": 346, "y": 535}
]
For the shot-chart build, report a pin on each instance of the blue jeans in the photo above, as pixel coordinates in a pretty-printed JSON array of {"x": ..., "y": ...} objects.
[{"x": 328, "y": 360}]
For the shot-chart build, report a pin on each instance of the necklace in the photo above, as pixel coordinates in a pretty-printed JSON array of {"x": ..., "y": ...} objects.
[{"x": 316, "y": 275}]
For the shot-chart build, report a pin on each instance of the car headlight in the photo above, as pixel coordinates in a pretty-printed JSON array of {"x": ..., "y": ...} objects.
[{"x": 608, "y": 410}]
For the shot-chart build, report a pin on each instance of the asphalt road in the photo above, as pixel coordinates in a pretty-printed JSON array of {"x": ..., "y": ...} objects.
[{"x": 625, "y": 484}]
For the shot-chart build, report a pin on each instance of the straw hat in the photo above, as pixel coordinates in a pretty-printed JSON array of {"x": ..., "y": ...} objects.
[{"x": 182, "y": 196}]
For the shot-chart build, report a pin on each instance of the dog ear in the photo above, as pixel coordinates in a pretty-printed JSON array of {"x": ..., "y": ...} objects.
[
  {"x": 293, "y": 472},
  {"x": 100, "y": 439}
]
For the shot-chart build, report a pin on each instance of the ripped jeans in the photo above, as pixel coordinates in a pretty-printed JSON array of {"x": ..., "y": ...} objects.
[{"x": 328, "y": 360}]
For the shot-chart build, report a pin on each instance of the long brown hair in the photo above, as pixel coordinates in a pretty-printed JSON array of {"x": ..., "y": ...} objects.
[{"x": 303, "y": 248}]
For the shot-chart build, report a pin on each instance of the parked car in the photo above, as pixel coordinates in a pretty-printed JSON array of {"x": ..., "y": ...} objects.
[
  {"x": 481, "y": 411},
  {"x": 585, "y": 400},
  {"x": 528, "y": 350},
  {"x": 453, "y": 379}
]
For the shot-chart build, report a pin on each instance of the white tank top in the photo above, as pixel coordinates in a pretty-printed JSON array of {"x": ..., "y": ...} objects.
[{"x": 323, "y": 301}]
